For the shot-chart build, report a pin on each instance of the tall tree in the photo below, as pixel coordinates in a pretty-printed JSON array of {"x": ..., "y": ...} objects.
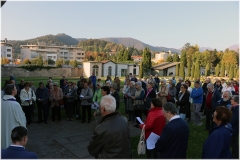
[
  {"x": 169, "y": 58},
  {"x": 177, "y": 69},
  {"x": 231, "y": 72},
  {"x": 237, "y": 75},
  {"x": 193, "y": 70},
  {"x": 207, "y": 70},
  {"x": 222, "y": 72},
  {"x": 228, "y": 68},
  {"x": 141, "y": 70},
  {"x": 125, "y": 55},
  {"x": 147, "y": 63},
  {"x": 197, "y": 71},
  {"x": 176, "y": 58},
  {"x": 217, "y": 69},
  {"x": 189, "y": 69},
  {"x": 182, "y": 70},
  {"x": 183, "y": 58},
  {"x": 235, "y": 71}
]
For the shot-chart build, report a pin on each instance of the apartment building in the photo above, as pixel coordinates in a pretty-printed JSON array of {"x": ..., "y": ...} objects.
[
  {"x": 52, "y": 52},
  {"x": 6, "y": 50}
]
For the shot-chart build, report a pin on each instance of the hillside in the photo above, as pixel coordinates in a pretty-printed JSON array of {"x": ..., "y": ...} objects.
[
  {"x": 234, "y": 47},
  {"x": 129, "y": 42},
  {"x": 59, "y": 39}
]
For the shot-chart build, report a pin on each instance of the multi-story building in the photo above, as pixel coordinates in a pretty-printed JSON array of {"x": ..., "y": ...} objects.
[
  {"x": 6, "y": 50},
  {"x": 52, "y": 52},
  {"x": 162, "y": 56}
]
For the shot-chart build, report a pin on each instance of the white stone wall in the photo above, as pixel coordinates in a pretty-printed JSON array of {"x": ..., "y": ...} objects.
[{"x": 105, "y": 69}]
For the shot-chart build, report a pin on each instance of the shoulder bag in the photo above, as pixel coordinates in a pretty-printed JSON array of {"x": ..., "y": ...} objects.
[{"x": 141, "y": 144}]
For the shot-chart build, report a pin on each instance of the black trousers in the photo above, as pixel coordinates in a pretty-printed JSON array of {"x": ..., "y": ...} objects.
[
  {"x": 125, "y": 103},
  {"x": 56, "y": 111},
  {"x": 209, "y": 119},
  {"x": 152, "y": 154},
  {"x": 138, "y": 113},
  {"x": 203, "y": 107},
  {"x": 69, "y": 109},
  {"x": 235, "y": 147},
  {"x": 84, "y": 108},
  {"x": 28, "y": 110},
  {"x": 43, "y": 110},
  {"x": 188, "y": 115}
]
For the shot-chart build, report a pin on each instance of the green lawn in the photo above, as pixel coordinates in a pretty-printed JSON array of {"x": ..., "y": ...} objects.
[{"x": 197, "y": 134}]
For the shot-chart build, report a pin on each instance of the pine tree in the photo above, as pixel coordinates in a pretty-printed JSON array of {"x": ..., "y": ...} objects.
[
  {"x": 231, "y": 72},
  {"x": 197, "y": 71},
  {"x": 147, "y": 63},
  {"x": 189, "y": 69},
  {"x": 169, "y": 58},
  {"x": 207, "y": 70},
  {"x": 228, "y": 68},
  {"x": 141, "y": 70},
  {"x": 181, "y": 70},
  {"x": 237, "y": 75},
  {"x": 193, "y": 70},
  {"x": 222, "y": 72},
  {"x": 217, "y": 68}
]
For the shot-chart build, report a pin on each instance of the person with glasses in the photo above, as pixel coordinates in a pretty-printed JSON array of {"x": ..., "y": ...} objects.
[
  {"x": 70, "y": 95},
  {"x": 182, "y": 101},
  {"x": 12, "y": 115},
  {"x": 173, "y": 141},
  {"x": 217, "y": 145},
  {"x": 27, "y": 96}
]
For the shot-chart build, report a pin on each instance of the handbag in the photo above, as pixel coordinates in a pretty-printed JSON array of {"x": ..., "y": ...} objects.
[
  {"x": 141, "y": 144},
  {"x": 138, "y": 105}
]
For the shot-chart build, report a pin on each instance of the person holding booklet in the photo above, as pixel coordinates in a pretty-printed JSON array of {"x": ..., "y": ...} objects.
[{"x": 154, "y": 125}]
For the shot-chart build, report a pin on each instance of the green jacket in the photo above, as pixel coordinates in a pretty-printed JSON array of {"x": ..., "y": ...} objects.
[{"x": 97, "y": 96}]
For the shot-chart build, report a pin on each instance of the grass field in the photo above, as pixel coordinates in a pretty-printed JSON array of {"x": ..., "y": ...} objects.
[{"x": 197, "y": 134}]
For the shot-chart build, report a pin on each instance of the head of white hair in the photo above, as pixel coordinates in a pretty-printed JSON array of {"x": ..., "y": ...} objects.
[
  {"x": 132, "y": 82},
  {"x": 109, "y": 103}
]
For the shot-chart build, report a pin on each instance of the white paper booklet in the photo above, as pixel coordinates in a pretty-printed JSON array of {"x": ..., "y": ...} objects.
[
  {"x": 139, "y": 120},
  {"x": 152, "y": 139}
]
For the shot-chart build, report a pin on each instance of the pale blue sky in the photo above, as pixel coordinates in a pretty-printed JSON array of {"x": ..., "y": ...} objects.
[{"x": 168, "y": 24}]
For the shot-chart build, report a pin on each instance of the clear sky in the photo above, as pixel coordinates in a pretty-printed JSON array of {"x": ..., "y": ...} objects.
[{"x": 168, "y": 24}]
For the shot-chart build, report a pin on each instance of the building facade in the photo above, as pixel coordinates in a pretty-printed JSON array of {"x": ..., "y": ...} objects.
[
  {"x": 162, "y": 56},
  {"x": 52, "y": 52},
  {"x": 104, "y": 68},
  {"x": 6, "y": 50}
]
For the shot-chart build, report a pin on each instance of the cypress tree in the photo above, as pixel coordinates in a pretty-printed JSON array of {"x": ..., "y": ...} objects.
[
  {"x": 177, "y": 69},
  {"x": 237, "y": 75},
  {"x": 193, "y": 70},
  {"x": 217, "y": 68},
  {"x": 222, "y": 73},
  {"x": 141, "y": 70},
  {"x": 197, "y": 71},
  {"x": 231, "y": 72},
  {"x": 181, "y": 70},
  {"x": 235, "y": 72},
  {"x": 207, "y": 70},
  {"x": 228, "y": 68},
  {"x": 147, "y": 63},
  {"x": 189, "y": 69}
]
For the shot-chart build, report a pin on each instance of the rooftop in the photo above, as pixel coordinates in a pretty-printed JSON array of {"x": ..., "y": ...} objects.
[{"x": 165, "y": 65}]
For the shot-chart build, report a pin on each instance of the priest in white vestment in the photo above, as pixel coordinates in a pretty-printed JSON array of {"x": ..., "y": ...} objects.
[{"x": 12, "y": 115}]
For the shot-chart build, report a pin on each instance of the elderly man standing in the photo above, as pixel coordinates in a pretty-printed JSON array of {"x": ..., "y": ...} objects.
[
  {"x": 12, "y": 115},
  {"x": 173, "y": 141},
  {"x": 197, "y": 96},
  {"x": 111, "y": 138},
  {"x": 212, "y": 98},
  {"x": 178, "y": 85}
]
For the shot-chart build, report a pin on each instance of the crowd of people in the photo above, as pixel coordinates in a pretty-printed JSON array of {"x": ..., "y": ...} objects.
[{"x": 160, "y": 100}]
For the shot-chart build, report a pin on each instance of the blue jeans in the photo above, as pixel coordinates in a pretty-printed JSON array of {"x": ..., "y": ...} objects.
[{"x": 182, "y": 116}]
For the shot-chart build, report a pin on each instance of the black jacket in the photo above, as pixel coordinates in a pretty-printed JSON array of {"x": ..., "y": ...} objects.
[
  {"x": 216, "y": 97},
  {"x": 149, "y": 98},
  {"x": 117, "y": 98},
  {"x": 111, "y": 138},
  {"x": 183, "y": 103}
]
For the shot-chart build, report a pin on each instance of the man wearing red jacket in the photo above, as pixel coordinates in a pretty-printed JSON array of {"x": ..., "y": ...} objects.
[{"x": 154, "y": 124}]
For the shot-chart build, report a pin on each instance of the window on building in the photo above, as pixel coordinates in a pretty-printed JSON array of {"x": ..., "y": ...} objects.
[
  {"x": 123, "y": 72},
  {"x": 110, "y": 70},
  {"x": 8, "y": 50},
  {"x": 54, "y": 56},
  {"x": 8, "y": 55},
  {"x": 134, "y": 70},
  {"x": 95, "y": 70},
  {"x": 82, "y": 53}
]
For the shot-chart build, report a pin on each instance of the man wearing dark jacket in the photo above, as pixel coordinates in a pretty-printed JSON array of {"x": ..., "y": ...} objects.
[
  {"x": 235, "y": 126},
  {"x": 62, "y": 81},
  {"x": 173, "y": 141},
  {"x": 205, "y": 90},
  {"x": 180, "y": 80},
  {"x": 42, "y": 97},
  {"x": 226, "y": 100},
  {"x": 212, "y": 98},
  {"x": 111, "y": 138}
]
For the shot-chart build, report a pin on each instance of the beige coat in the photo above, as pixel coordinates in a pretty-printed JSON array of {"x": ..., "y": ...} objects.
[
  {"x": 57, "y": 98},
  {"x": 162, "y": 95}
]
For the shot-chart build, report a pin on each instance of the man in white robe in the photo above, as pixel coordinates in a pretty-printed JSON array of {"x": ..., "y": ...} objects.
[{"x": 12, "y": 115}]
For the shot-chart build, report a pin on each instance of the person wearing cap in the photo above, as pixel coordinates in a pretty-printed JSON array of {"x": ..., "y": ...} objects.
[
  {"x": 98, "y": 93},
  {"x": 115, "y": 94},
  {"x": 56, "y": 95},
  {"x": 138, "y": 99},
  {"x": 17, "y": 150},
  {"x": 12, "y": 114},
  {"x": 42, "y": 96},
  {"x": 117, "y": 82}
]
